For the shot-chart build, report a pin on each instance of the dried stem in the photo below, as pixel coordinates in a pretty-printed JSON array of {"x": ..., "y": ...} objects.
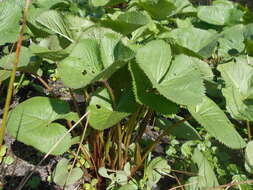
[{"x": 13, "y": 74}]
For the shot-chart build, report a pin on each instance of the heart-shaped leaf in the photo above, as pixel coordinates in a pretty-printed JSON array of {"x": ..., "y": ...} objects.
[
  {"x": 31, "y": 122},
  {"x": 169, "y": 78},
  {"x": 102, "y": 115}
]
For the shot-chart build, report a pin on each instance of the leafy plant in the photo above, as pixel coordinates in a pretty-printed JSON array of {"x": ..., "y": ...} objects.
[{"x": 137, "y": 64}]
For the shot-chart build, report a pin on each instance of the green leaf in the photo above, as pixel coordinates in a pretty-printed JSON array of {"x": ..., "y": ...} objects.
[
  {"x": 158, "y": 9},
  {"x": 8, "y": 160},
  {"x": 249, "y": 157},
  {"x": 182, "y": 6},
  {"x": 239, "y": 89},
  {"x": 98, "y": 3},
  {"x": 145, "y": 94},
  {"x": 47, "y": 3},
  {"x": 154, "y": 58},
  {"x": 206, "y": 176},
  {"x": 26, "y": 63},
  {"x": 232, "y": 42},
  {"x": 77, "y": 25},
  {"x": 101, "y": 112},
  {"x": 155, "y": 169},
  {"x": 182, "y": 131},
  {"x": 90, "y": 62},
  {"x": 203, "y": 67},
  {"x": 169, "y": 78},
  {"x": 55, "y": 22},
  {"x": 174, "y": 86},
  {"x": 10, "y": 14},
  {"x": 61, "y": 175},
  {"x": 31, "y": 122},
  {"x": 49, "y": 48},
  {"x": 197, "y": 40},
  {"x": 126, "y": 22},
  {"x": 4, "y": 75},
  {"x": 213, "y": 119},
  {"x": 220, "y": 14}
]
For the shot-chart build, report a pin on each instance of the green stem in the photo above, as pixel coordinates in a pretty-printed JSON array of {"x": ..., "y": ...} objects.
[
  {"x": 111, "y": 93},
  {"x": 13, "y": 74},
  {"x": 157, "y": 141},
  {"x": 19, "y": 83},
  {"x": 144, "y": 124}
]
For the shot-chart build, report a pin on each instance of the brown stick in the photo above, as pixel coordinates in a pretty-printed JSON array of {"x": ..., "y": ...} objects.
[{"x": 13, "y": 74}]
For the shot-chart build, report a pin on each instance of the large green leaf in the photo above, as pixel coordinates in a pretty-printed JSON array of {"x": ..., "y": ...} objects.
[
  {"x": 158, "y": 9},
  {"x": 126, "y": 22},
  {"x": 90, "y": 61},
  {"x": 145, "y": 94},
  {"x": 154, "y": 58},
  {"x": 214, "y": 120},
  {"x": 169, "y": 78},
  {"x": 206, "y": 176},
  {"x": 10, "y": 14},
  {"x": 220, "y": 14},
  {"x": 102, "y": 115},
  {"x": 239, "y": 89},
  {"x": 232, "y": 41},
  {"x": 197, "y": 40},
  {"x": 55, "y": 22},
  {"x": 32, "y": 122}
]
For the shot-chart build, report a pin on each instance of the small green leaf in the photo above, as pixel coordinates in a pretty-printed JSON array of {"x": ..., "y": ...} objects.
[
  {"x": 206, "y": 176},
  {"x": 220, "y": 14},
  {"x": 8, "y": 160},
  {"x": 183, "y": 131},
  {"x": 101, "y": 112},
  {"x": 62, "y": 177},
  {"x": 155, "y": 169}
]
